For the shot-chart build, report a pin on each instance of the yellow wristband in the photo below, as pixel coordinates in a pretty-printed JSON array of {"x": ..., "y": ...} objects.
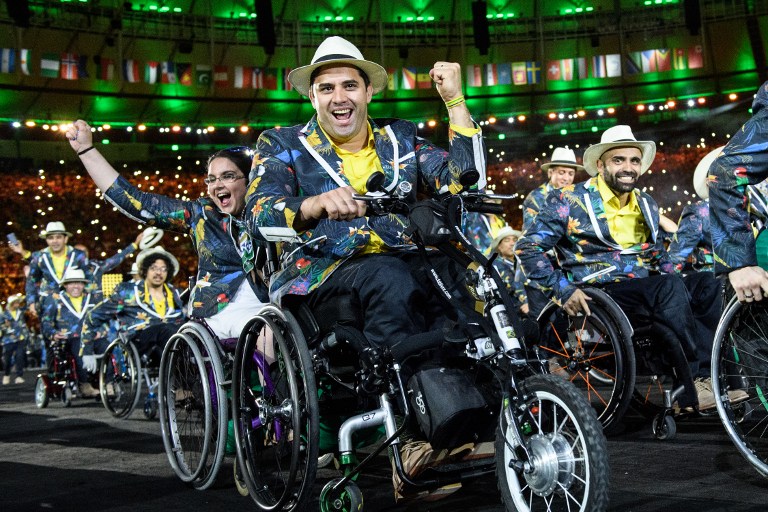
[{"x": 455, "y": 101}]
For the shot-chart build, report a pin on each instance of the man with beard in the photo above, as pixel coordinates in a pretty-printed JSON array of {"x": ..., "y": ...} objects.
[{"x": 606, "y": 233}]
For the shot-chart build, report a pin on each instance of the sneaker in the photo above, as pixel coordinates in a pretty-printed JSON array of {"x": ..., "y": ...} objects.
[
  {"x": 483, "y": 450},
  {"x": 110, "y": 389},
  {"x": 88, "y": 391},
  {"x": 556, "y": 367},
  {"x": 19, "y": 380},
  {"x": 704, "y": 394},
  {"x": 6, "y": 379},
  {"x": 417, "y": 457},
  {"x": 736, "y": 396}
]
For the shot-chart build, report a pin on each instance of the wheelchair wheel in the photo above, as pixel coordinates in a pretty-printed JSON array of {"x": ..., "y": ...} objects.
[
  {"x": 119, "y": 378},
  {"x": 593, "y": 352},
  {"x": 41, "y": 393},
  {"x": 740, "y": 379},
  {"x": 567, "y": 450},
  {"x": 275, "y": 412},
  {"x": 186, "y": 418}
]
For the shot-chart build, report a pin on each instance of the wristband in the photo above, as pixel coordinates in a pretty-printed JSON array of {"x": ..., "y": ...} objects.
[
  {"x": 85, "y": 150},
  {"x": 455, "y": 101}
]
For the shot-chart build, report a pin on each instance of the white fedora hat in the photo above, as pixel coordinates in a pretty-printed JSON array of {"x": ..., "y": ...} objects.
[
  {"x": 152, "y": 235},
  {"x": 700, "y": 180},
  {"x": 337, "y": 50},
  {"x": 157, "y": 252},
  {"x": 134, "y": 269},
  {"x": 502, "y": 234},
  {"x": 16, "y": 297},
  {"x": 619, "y": 136},
  {"x": 562, "y": 157},
  {"x": 53, "y": 228},
  {"x": 73, "y": 275}
]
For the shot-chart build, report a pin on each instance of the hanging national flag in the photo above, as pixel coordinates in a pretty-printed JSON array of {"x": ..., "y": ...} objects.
[
  {"x": 287, "y": 86},
  {"x": 184, "y": 73},
  {"x": 25, "y": 57},
  {"x": 519, "y": 76},
  {"x": 49, "y": 65},
  {"x": 663, "y": 59},
  {"x": 648, "y": 61},
  {"x": 257, "y": 78},
  {"x": 131, "y": 71},
  {"x": 392, "y": 79},
  {"x": 203, "y": 75},
  {"x": 560, "y": 69},
  {"x": 105, "y": 68},
  {"x": 695, "y": 57},
  {"x": 152, "y": 72},
  {"x": 491, "y": 74},
  {"x": 505, "y": 73},
  {"x": 598, "y": 66},
  {"x": 243, "y": 77},
  {"x": 409, "y": 79},
  {"x": 679, "y": 59},
  {"x": 613, "y": 65},
  {"x": 580, "y": 65},
  {"x": 633, "y": 63},
  {"x": 68, "y": 66},
  {"x": 221, "y": 76},
  {"x": 423, "y": 80},
  {"x": 168, "y": 72},
  {"x": 270, "y": 79},
  {"x": 533, "y": 72},
  {"x": 7, "y": 58},
  {"x": 474, "y": 75}
]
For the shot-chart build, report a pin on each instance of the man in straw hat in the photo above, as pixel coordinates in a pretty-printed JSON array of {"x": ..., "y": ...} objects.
[
  {"x": 304, "y": 178},
  {"x": 15, "y": 334},
  {"x": 48, "y": 266},
  {"x": 62, "y": 316},
  {"x": 561, "y": 170},
  {"x": 606, "y": 232},
  {"x": 150, "y": 310},
  {"x": 507, "y": 265}
]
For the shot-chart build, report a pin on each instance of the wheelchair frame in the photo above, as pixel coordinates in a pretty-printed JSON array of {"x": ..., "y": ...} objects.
[
  {"x": 60, "y": 377},
  {"x": 122, "y": 376}
]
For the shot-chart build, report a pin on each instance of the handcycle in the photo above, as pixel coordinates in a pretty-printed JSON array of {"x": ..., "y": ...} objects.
[
  {"x": 60, "y": 378},
  {"x": 550, "y": 450}
]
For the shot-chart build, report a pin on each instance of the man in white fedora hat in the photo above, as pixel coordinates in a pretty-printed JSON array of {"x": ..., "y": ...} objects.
[
  {"x": 48, "y": 266},
  {"x": 304, "y": 179},
  {"x": 561, "y": 170},
  {"x": 606, "y": 232},
  {"x": 15, "y": 335},
  {"x": 507, "y": 265}
]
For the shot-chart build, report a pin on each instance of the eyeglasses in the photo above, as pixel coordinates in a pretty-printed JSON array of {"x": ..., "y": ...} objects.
[
  {"x": 226, "y": 178},
  {"x": 155, "y": 268}
]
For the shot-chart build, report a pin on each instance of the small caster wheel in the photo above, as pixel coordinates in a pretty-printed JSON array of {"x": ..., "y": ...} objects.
[
  {"x": 664, "y": 427},
  {"x": 240, "y": 485},
  {"x": 345, "y": 499},
  {"x": 150, "y": 409},
  {"x": 66, "y": 396}
]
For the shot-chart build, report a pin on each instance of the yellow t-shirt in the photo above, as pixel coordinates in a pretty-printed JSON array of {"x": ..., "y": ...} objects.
[
  {"x": 77, "y": 302},
  {"x": 627, "y": 224},
  {"x": 161, "y": 306},
  {"x": 59, "y": 262}
]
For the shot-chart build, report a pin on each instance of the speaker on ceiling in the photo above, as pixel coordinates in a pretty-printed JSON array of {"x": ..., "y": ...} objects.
[
  {"x": 480, "y": 26},
  {"x": 692, "y": 10},
  {"x": 265, "y": 25},
  {"x": 19, "y": 11}
]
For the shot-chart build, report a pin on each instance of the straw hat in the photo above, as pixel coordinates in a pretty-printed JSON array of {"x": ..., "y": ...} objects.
[
  {"x": 157, "y": 252},
  {"x": 337, "y": 50},
  {"x": 502, "y": 234},
  {"x": 702, "y": 169},
  {"x": 619, "y": 136},
  {"x": 134, "y": 269},
  {"x": 16, "y": 297},
  {"x": 53, "y": 228},
  {"x": 152, "y": 235},
  {"x": 562, "y": 157},
  {"x": 73, "y": 275}
]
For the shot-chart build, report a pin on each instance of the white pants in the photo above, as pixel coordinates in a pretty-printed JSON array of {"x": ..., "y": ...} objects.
[{"x": 230, "y": 321}]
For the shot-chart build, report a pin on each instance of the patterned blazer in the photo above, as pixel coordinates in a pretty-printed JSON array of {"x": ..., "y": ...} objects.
[
  {"x": 42, "y": 279},
  {"x": 60, "y": 315},
  {"x": 533, "y": 203},
  {"x": 480, "y": 229},
  {"x": 133, "y": 313},
  {"x": 294, "y": 163},
  {"x": 508, "y": 272},
  {"x": 743, "y": 162},
  {"x": 14, "y": 326},
  {"x": 691, "y": 246},
  {"x": 573, "y": 221},
  {"x": 222, "y": 247}
]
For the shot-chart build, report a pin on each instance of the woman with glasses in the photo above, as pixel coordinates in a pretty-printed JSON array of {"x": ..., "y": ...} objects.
[{"x": 227, "y": 292}]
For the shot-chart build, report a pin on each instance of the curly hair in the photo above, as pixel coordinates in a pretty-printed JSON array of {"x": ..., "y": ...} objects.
[{"x": 150, "y": 260}]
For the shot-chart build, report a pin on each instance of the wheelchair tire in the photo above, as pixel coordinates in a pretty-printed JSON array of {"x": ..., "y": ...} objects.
[
  {"x": 275, "y": 412},
  {"x": 595, "y": 353},
  {"x": 41, "y": 394},
  {"x": 567, "y": 447},
  {"x": 184, "y": 400},
  {"x": 120, "y": 378},
  {"x": 740, "y": 362}
]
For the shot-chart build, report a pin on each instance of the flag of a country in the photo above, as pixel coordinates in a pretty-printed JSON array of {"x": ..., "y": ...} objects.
[
  {"x": 184, "y": 73},
  {"x": 221, "y": 76},
  {"x": 105, "y": 69},
  {"x": 49, "y": 65},
  {"x": 243, "y": 77},
  {"x": 7, "y": 60},
  {"x": 409, "y": 79},
  {"x": 663, "y": 59},
  {"x": 25, "y": 57},
  {"x": 152, "y": 72},
  {"x": 519, "y": 75},
  {"x": 474, "y": 75},
  {"x": 131, "y": 71},
  {"x": 695, "y": 57}
]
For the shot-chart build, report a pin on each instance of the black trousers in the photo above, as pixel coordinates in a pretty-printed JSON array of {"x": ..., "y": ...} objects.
[{"x": 150, "y": 341}]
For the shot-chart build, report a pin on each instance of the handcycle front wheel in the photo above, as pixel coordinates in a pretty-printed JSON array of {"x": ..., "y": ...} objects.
[
  {"x": 119, "y": 379},
  {"x": 567, "y": 468}
]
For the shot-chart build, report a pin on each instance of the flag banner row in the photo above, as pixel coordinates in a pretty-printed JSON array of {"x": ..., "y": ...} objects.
[{"x": 71, "y": 66}]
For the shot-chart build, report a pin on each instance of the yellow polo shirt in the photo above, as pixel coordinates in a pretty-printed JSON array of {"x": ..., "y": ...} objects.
[{"x": 627, "y": 224}]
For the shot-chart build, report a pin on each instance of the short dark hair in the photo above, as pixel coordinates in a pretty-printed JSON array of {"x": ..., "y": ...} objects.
[
  {"x": 241, "y": 156},
  {"x": 363, "y": 75},
  {"x": 150, "y": 260}
]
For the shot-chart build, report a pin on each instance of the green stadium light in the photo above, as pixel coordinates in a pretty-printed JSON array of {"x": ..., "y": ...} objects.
[
  {"x": 105, "y": 141},
  {"x": 175, "y": 147},
  {"x": 502, "y": 136},
  {"x": 563, "y": 132}
]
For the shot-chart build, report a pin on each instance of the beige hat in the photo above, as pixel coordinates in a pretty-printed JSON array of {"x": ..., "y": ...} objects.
[
  {"x": 73, "y": 275},
  {"x": 157, "y": 252},
  {"x": 700, "y": 180},
  {"x": 562, "y": 157},
  {"x": 16, "y": 297},
  {"x": 54, "y": 228},
  {"x": 502, "y": 234},
  {"x": 152, "y": 235},
  {"x": 134, "y": 269},
  {"x": 337, "y": 50},
  {"x": 619, "y": 136}
]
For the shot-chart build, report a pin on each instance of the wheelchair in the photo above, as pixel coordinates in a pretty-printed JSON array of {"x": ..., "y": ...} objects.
[
  {"x": 740, "y": 361},
  {"x": 60, "y": 378},
  {"x": 294, "y": 366},
  {"x": 194, "y": 379},
  {"x": 613, "y": 363},
  {"x": 122, "y": 374}
]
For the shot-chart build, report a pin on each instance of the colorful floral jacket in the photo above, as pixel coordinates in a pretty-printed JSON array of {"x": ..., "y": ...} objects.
[
  {"x": 14, "y": 326},
  {"x": 480, "y": 229},
  {"x": 42, "y": 279},
  {"x": 222, "y": 247},
  {"x": 133, "y": 313},
  {"x": 58, "y": 314},
  {"x": 572, "y": 220},
  {"x": 533, "y": 203},
  {"x": 508, "y": 272},
  {"x": 743, "y": 162},
  {"x": 691, "y": 246},
  {"x": 100, "y": 267},
  {"x": 294, "y": 163}
]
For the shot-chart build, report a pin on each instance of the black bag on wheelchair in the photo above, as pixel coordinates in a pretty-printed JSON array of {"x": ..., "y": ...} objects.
[{"x": 448, "y": 406}]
